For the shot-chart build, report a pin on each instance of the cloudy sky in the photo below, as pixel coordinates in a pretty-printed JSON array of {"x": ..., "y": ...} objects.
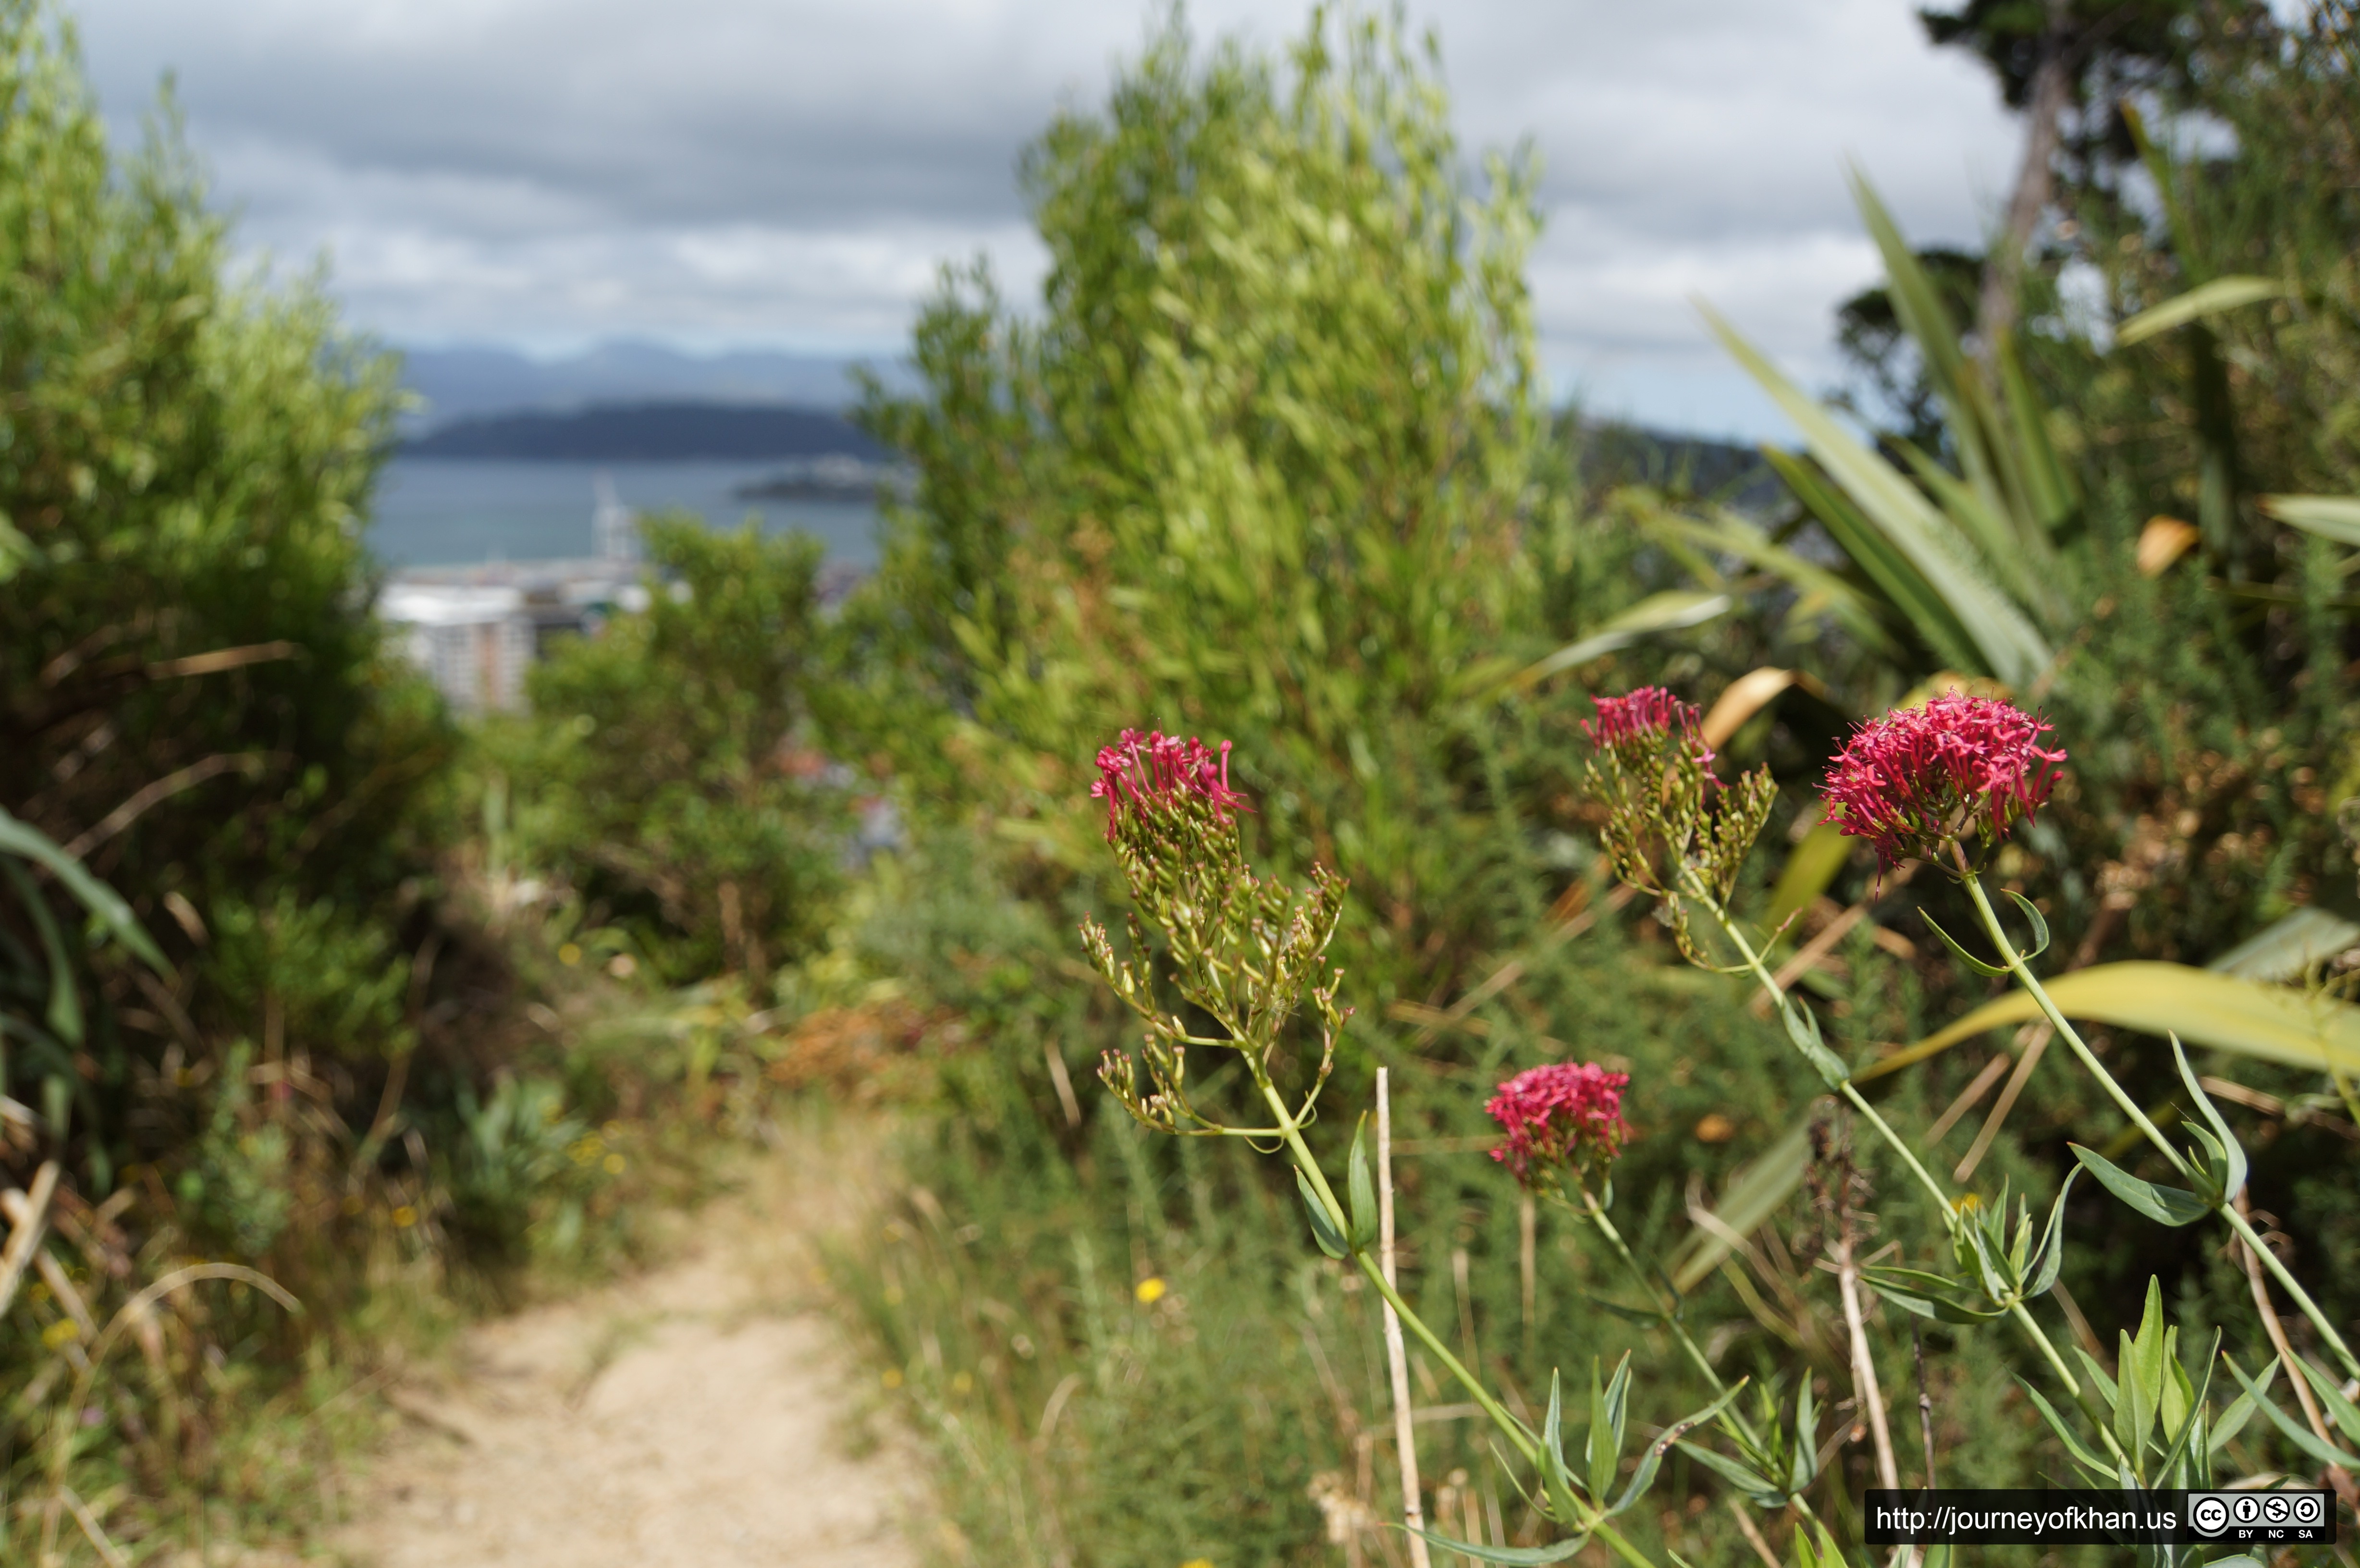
[{"x": 783, "y": 173}]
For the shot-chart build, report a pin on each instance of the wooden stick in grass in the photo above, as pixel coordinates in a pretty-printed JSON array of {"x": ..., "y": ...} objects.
[
  {"x": 1396, "y": 1355},
  {"x": 28, "y": 1232},
  {"x": 2337, "y": 1476}
]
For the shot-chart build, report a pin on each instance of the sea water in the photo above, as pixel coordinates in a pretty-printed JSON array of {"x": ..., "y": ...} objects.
[{"x": 463, "y": 511}]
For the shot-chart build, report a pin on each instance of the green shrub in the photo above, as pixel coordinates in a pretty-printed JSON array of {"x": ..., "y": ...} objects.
[
  {"x": 198, "y": 708},
  {"x": 1265, "y": 466},
  {"x": 667, "y": 773},
  {"x": 197, "y": 701}
]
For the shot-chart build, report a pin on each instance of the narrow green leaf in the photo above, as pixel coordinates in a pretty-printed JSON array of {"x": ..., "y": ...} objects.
[
  {"x": 1509, "y": 1554},
  {"x": 1622, "y": 1309},
  {"x": 2141, "y": 1361},
  {"x": 2102, "y": 1379},
  {"x": 2009, "y": 646},
  {"x": 1755, "y": 1192},
  {"x": 2158, "y": 168},
  {"x": 1673, "y": 610},
  {"x": 21, "y": 839},
  {"x": 2233, "y": 1420},
  {"x": 1602, "y": 1446},
  {"x": 1970, "y": 421},
  {"x": 2074, "y": 1446},
  {"x": 2186, "y": 1421},
  {"x": 1618, "y": 1400},
  {"x": 1803, "y": 1028},
  {"x": 1986, "y": 1236},
  {"x": 1323, "y": 1225},
  {"x": 2018, "y": 569},
  {"x": 2232, "y": 1153},
  {"x": 63, "y": 1014},
  {"x": 2165, "y": 1205},
  {"x": 2287, "y": 949},
  {"x": 1652, "y": 1458},
  {"x": 2040, "y": 925},
  {"x": 1913, "y": 597},
  {"x": 1909, "y": 1301},
  {"x": 1961, "y": 953},
  {"x": 1929, "y": 1295},
  {"x": 1732, "y": 534},
  {"x": 1971, "y": 512},
  {"x": 1556, "y": 1480},
  {"x": 1804, "y": 1467},
  {"x": 2340, "y": 1410},
  {"x": 1811, "y": 869},
  {"x": 2295, "y": 1431},
  {"x": 2050, "y": 1256},
  {"x": 2208, "y": 300},
  {"x": 1753, "y": 1483},
  {"x": 1363, "y": 1189},
  {"x": 2211, "y": 1177},
  {"x": 1824, "y": 1555},
  {"x": 2053, "y": 491},
  {"x": 2334, "y": 518}
]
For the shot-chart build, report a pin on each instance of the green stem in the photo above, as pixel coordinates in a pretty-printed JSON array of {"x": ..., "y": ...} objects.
[
  {"x": 1509, "y": 1426},
  {"x": 2089, "y": 1059},
  {"x": 1664, "y": 1314},
  {"x": 1622, "y": 1545},
  {"x": 2101, "y": 1419},
  {"x": 2072, "y": 1037},
  {"x": 2287, "y": 1282},
  {"x": 1944, "y": 1204},
  {"x": 1779, "y": 1000},
  {"x": 1288, "y": 1129}
]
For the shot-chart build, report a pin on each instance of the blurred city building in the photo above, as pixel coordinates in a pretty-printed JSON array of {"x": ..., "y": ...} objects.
[{"x": 474, "y": 630}]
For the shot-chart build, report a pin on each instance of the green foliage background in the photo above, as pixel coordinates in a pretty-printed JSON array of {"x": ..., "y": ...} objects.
[{"x": 661, "y": 774}]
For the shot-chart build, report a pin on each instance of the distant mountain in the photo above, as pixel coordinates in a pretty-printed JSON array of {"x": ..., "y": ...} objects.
[
  {"x": 460, "y": 383},
  {"x": 653, "y": 433},
  {"x": 1607, "y": 453}
]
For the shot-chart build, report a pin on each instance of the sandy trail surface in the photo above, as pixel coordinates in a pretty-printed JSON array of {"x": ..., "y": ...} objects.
[{"x": 706, "y": 1414}]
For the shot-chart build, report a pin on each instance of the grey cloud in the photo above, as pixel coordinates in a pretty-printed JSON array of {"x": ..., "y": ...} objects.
[
  {"x": 712, "y": 111},
  {"x": 725, "y": 171}
]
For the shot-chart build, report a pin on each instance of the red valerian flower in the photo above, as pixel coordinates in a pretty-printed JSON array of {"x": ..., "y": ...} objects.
[
  {"x": 1917, "y": 776},
  {"x": 1146, "y": 775},
  {"x": 1567, "y": 1114},
  {"x": 1643, "y": 718}
]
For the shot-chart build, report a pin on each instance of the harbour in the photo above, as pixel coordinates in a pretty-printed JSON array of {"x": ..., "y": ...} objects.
[{"x": 492, "y": 560}]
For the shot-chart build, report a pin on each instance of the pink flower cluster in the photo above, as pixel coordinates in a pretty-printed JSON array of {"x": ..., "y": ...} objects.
[
  {"x": 1643, "y": 717},
  {"x": 1564, "y": 1113},
  {"x": 1918, "y": 776},
  {"x": 1144, "y": 774}
]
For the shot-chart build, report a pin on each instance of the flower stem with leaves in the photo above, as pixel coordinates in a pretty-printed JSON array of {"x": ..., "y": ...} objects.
[{"x": 1247, "y": 956}]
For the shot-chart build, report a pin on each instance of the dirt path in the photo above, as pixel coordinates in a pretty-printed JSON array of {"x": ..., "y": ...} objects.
[{"x": 704, "y": 1415}]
